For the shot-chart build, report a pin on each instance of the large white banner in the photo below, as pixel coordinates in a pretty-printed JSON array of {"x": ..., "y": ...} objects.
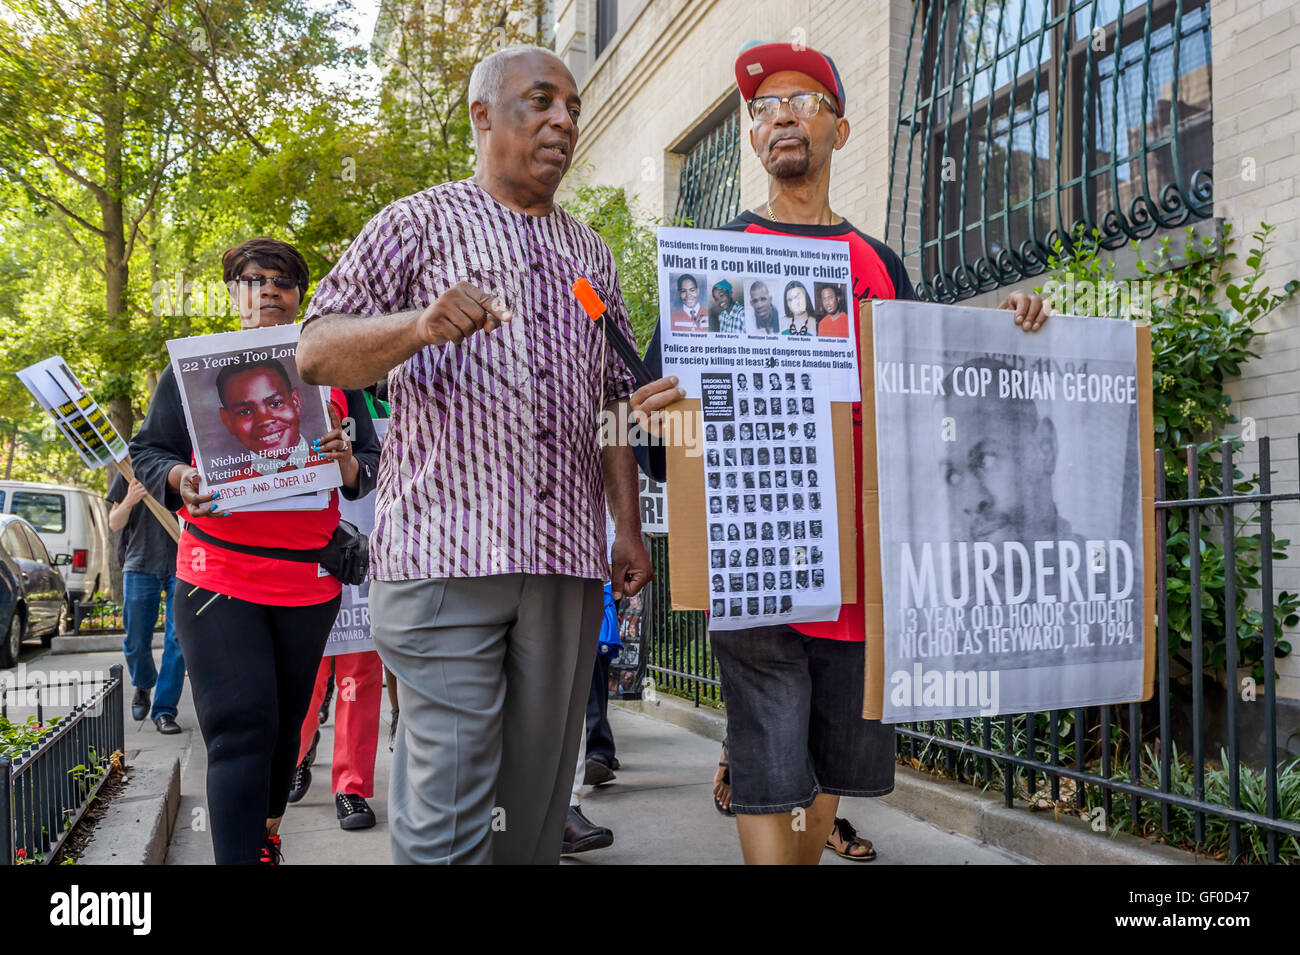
[{"x": 1010, "y": 511}]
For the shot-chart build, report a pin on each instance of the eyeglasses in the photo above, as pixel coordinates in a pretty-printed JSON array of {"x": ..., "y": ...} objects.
[
  {"x": 803, "y": 105},
  {"x": 257, "y": 281}
]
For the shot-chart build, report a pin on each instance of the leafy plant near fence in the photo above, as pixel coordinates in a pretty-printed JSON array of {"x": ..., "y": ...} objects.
[
  {"x": 16, "y": 738},
  {"x": 1204, "y": 327},
  {"x": 1011, "y": 737},
  {"x": 1253, "y": 797}
]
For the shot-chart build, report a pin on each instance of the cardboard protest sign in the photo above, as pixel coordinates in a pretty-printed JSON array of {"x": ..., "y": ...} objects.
[
  {"x": 773, "y": 536},
  {"x": 688, "y": 544},
  {"x": 251, "y": 417},
  {"x": 760, "y": 457},
  {"x": 1008, "y": 495}
]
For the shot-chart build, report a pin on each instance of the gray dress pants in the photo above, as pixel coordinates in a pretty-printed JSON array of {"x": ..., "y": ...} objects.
[{"x": 493, "y": 674}]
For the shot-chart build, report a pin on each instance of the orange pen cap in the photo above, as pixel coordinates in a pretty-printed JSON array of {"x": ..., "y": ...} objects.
[{"x": 588, "y": 299}]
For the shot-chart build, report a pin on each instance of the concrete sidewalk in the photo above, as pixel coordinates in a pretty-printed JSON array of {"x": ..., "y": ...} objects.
[{"x": 660, "y": 807}]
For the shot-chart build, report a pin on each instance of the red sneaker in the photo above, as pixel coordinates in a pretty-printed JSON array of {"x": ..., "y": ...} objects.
[{"x": 271, "y": 853}]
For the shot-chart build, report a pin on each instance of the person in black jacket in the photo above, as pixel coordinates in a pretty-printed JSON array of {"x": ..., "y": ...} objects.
[{"x": 252, "y": 627}]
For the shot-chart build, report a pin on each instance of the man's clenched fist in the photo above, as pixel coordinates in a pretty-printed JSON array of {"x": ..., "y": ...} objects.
[{"x": 458, "y": 313}]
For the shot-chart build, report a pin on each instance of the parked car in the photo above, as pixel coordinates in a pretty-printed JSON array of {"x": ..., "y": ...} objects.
[
  {"x": 33, "y": 596},
  {"x": 70, "y": 520}
]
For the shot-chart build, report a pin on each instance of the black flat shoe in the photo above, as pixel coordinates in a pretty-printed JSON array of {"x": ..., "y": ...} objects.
[
  {"x": 583, "y": 835},
  {"x": 353, "y": 812},
  {"x": 167, "y": 725},
  {"x": 140, "y": 705}
]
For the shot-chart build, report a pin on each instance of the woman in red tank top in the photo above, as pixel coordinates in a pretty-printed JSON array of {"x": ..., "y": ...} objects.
[{"x": 252, "y": 628}]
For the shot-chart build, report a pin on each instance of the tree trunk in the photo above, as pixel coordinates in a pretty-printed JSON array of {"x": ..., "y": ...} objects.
[
  {"x": 116, "y": 267},
  {"x": 13, "y": 444}
]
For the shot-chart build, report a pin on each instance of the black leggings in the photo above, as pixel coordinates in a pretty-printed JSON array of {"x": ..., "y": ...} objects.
[{"x": 252, "y": 668}]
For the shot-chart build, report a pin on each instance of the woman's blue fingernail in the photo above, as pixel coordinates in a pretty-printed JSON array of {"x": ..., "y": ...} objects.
[
  {"x": 212, "y": 508},
  {"x": 216, "y": 494}
]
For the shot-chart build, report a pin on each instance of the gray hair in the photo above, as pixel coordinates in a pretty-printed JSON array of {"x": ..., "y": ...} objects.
[{"x": 489, "y": 73}]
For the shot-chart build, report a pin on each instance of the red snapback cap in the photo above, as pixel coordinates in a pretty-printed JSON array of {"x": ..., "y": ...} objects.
[{"x": 757, "y": 61}]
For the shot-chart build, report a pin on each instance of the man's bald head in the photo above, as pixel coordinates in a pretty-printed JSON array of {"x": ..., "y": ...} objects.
[
  {"x": 524, "y": 106},
  {"x": 489, "y": 74}
]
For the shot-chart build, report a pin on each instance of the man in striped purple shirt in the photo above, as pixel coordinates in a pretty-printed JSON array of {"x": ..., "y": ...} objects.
[{"x": 488, "y": 554}]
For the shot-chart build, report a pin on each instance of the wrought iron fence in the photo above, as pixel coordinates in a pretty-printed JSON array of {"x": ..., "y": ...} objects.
[
  {"x": 708, "y": 192},
  {"x": 678, "y": 655},
  {"x": 1119, "y": 765},
  {"x": 1032, "y": 119},
  {"x": 48, "y": 786}
]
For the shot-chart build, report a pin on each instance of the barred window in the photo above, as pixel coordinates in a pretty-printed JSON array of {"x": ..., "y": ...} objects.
[
  {"x": 1029, "y": 119},
  {"x": 708, "y": 191}
]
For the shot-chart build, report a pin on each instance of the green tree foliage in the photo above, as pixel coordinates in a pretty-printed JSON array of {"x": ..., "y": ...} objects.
[
  {"x": 141, "y": 138},
  {"x": 104, "y": 102},
  {"x": 609, "y": 211}
]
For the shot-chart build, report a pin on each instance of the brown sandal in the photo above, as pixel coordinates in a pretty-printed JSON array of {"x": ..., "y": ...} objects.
[{"x": 844, "y": 829}]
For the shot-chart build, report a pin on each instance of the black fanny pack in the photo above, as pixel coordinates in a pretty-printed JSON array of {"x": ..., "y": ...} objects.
[{"x": 346, "y": 556}]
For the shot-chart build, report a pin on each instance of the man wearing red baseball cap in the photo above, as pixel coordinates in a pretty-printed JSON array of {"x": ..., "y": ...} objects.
[{"x": 795, "y": 736}]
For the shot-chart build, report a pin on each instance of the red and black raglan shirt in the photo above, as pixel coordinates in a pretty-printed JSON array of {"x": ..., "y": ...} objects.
[{"x": 877, "y": 272}]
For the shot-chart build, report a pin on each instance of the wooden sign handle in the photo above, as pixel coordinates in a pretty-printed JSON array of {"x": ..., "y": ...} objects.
[{"x": 165, "y": 517}]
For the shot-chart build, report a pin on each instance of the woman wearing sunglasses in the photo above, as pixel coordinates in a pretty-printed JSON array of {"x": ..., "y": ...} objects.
[{"x": 252, "y": 627}]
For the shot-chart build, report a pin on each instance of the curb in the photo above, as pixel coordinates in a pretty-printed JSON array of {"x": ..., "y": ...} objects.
[
  {"x": 963, "y": 809},
  {"x": 96, "y": 643},
  {"x": 1038, "y": 836},
  {"x": 138, "y": 826}
]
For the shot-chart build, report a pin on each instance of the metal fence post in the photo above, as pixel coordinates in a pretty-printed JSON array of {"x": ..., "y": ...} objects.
[{"x": 6, "y": 812}]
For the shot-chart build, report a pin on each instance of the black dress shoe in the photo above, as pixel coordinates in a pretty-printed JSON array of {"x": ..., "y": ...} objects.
[
  {"x": 353, "y": 812},
  {"x": 140, "y": 705},
  {"x": 596, "y": 772},
  {"x": 167, "y": 724},
  {"x": 582, "y": 835}
]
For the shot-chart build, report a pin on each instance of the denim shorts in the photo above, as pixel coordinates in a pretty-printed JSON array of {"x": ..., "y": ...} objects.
[{"x": 794, "y": 720}]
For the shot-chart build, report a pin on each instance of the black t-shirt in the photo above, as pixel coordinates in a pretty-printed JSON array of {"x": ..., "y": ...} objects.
[{"x": 144, "y": 546}]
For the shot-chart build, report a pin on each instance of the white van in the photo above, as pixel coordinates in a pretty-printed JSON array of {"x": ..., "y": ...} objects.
[{"x": 68, "y": 520}]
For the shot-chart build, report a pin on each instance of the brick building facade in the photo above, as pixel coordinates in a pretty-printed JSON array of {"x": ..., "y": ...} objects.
[{"x": 658, "y": 92}]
